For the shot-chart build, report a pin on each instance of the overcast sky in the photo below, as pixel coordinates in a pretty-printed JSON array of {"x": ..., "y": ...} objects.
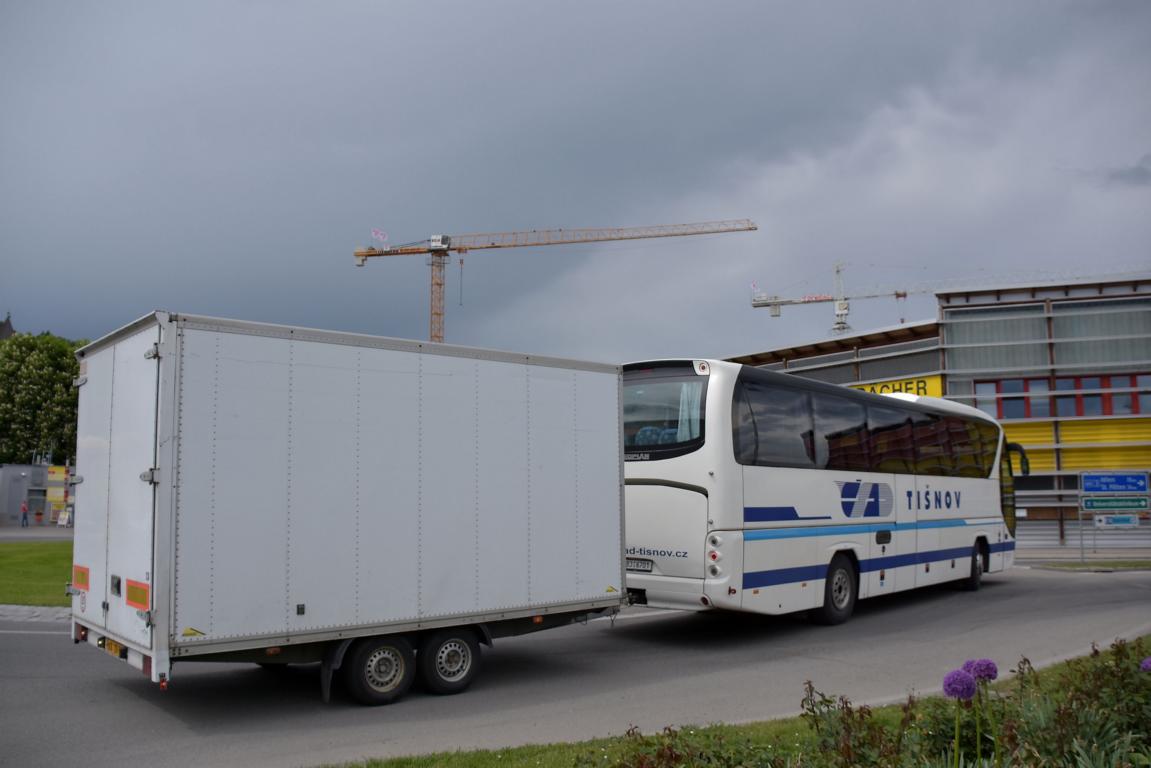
[{"x": 227, "y": 158}]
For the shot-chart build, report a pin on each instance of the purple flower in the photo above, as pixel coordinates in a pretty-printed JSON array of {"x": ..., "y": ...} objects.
[
  {"x": 983, "y": 669},
  {"x": 959, "y": 684},
  {"x": 1146, "y": 664}
]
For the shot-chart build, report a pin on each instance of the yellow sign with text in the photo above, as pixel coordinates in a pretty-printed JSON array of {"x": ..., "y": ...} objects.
[{"x": 930, "y": 386}]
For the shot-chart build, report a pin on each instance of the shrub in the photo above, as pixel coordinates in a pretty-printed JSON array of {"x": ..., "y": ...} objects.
[{"x": 1092, "y": 712}]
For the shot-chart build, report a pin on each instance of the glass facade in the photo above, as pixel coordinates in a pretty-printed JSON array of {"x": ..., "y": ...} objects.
[{"x": 1066, "y": 367}]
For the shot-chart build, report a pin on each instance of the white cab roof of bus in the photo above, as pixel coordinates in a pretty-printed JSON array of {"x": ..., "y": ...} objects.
[{"x": 940, "y": 403}]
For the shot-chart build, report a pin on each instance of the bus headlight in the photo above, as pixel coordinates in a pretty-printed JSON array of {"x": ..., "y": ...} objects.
[
  {"x": 715, "y": 540},
  {"x": 714, "y": 570}
]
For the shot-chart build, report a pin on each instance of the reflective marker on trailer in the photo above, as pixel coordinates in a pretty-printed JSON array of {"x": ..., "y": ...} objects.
[
  {"x": 80, "y": 577},
  {"x": 137, "y": 595}
]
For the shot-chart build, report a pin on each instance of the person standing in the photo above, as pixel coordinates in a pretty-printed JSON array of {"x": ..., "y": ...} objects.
[{"x": 24, "y": 514}]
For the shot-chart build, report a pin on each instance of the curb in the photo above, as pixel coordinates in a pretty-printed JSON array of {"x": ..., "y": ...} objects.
[{"x": 53, "y": 613}]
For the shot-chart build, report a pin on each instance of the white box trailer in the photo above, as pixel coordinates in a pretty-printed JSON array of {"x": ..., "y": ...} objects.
[{"x": 260, "y": 493}]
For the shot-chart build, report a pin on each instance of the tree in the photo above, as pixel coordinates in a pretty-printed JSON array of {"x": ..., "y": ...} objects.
[{"x": 37, "y": 400}]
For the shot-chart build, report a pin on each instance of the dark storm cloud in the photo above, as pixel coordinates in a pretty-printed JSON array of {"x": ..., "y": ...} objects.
[
  {"x": 1138, "y": 175},
  {"x": 226, "y": 158}
]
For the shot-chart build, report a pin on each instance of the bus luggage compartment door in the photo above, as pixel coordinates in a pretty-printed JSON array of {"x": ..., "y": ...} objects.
[{"x": 666, "y": 530}]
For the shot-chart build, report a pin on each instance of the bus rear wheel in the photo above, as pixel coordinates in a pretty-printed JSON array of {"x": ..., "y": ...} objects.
[{"x": 840, "y": 590}]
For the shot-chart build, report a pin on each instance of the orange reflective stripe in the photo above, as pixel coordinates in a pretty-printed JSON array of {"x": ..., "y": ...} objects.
[
  {"x": 80, "y": 577},
  {"x": 136, "y": 595}
]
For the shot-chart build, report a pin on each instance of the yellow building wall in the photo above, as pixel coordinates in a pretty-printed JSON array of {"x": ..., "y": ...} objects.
[
  {"x": 1036, "y": 433},
  {"x": 1086, "y": 443},
  {"x": 1090, "y": 434},
  {"x": 1107, "y": 458},
  {"x": 1106, "y": 431},
  {"x": 1040, "y": 460},
  {"x": 929, "y": 386}
]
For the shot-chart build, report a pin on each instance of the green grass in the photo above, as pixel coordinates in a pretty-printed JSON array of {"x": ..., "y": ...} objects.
[
  {"x": 1106, "y": 565},
  {"x": 770, "y": 735},
  {"x": 35, "y": 572},
  {"x": 565, "y": 755}
]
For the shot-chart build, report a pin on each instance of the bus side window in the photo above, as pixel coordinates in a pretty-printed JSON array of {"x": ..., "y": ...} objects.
[
  {"x": 781, "y": 419},
  {"x": 889, "y": 435},
  {"x": 841, "y": 440},
  {"x": 967, "y": 451},
  {"x": 989, "y": 443},
  {"x": 932, "y": 445},
  {"x": 744, "y": 434}
]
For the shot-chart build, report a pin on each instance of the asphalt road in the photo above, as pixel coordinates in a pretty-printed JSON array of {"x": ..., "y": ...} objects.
[{"x": 64, "y": 704}]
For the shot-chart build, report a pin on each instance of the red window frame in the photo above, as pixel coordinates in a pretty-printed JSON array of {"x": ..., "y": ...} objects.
[{"x": 1107, "y": 382}]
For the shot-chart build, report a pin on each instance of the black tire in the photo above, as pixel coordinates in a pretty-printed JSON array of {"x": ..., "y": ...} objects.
[
  {"x": 448, "y": 661},
  {"x": 379, "y": 670},
  {"x": 974, "y": 578},
  {"x": 840, "y": 591}
]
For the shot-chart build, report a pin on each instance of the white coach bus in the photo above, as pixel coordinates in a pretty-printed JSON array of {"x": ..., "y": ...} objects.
[{"x": 749, "y": 490}]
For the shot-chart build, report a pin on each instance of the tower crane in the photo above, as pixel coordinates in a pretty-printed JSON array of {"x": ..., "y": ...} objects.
[
  {"x": 842, "y": 302},
  {"x": 439, "y": 248}
]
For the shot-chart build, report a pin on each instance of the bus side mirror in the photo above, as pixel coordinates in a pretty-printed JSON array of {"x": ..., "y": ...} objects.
[{"x": 1024, "y": 463}]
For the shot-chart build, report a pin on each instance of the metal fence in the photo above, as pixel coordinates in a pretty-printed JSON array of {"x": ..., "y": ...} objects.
[{"x": 1044, "y": 534}]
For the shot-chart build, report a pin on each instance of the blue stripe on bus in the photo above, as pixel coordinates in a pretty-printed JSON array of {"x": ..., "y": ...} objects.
[
  {"x": 784, "y": 576},
  {"x": 779, "y": 576},
  {"x": 915, "y": 558},
  {"x": 775, "y": 514},
  {"x": 838, "y": 530}
]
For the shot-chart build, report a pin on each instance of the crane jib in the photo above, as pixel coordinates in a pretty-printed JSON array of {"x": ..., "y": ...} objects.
[{"x": 439, "y": 245}]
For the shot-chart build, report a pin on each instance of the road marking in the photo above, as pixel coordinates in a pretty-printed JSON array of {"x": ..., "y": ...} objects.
[{"x": 30, "y": 632}]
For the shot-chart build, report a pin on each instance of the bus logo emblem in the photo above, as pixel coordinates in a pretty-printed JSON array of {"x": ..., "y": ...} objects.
[{"x": 860, "y": 499}]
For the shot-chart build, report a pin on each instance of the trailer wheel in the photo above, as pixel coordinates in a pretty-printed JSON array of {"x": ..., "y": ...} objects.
[
  {"x": 379, "y": 670},
  {"x": 974, "y": 578},
  {"x": 449, "y": 660},
  {"x": 839, "y": 592}
]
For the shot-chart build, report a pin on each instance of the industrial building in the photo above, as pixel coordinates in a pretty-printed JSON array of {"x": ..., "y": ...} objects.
[{"x": 1065, "y": 366}]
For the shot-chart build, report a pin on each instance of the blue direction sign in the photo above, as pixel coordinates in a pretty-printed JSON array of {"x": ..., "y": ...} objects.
[{"x": 1113, "y": 482}]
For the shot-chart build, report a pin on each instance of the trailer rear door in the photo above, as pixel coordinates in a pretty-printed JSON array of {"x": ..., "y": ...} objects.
[{"x": 115, "y": 502}]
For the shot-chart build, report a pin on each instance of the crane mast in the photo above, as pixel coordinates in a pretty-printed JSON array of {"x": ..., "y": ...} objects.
[{"x": 438, "y": 248}]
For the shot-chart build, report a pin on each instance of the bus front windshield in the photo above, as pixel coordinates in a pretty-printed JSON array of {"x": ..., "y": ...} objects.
[{"x": 663, "y": 412}]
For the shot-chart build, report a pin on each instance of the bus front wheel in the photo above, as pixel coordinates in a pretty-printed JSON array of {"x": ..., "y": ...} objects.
[{"x": 839, "y": 592}]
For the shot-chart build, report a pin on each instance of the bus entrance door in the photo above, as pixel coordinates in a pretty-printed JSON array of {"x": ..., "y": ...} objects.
[{"x": 891, "y": 542}]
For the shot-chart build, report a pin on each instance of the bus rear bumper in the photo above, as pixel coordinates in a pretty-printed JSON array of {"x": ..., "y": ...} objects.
[{"x": 675, "y": 592}]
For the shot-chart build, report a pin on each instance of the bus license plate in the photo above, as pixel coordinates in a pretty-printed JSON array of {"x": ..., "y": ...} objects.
[
  {"x": 639, "y": 565},
  {"x": 114, "y": 648}
]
